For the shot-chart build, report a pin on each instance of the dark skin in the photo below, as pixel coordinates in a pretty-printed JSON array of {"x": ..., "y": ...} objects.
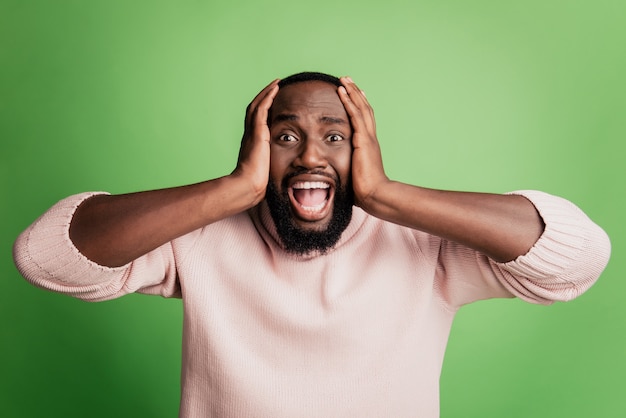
[
  {"x": 310, "y": 133},
  {"x": 503, "y": 227},
  {"x": 333, "y": 136}
]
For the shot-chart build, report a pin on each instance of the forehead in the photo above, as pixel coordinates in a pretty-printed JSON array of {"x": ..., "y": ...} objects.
[{"x": 308, "y": 98}]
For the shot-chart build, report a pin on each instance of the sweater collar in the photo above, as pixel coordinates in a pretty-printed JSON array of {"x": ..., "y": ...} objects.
[{"x": 264, "y": 223}]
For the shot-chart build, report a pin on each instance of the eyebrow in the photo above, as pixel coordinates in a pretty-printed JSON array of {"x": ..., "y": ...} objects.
[
  {"x": 281, "y": 117},
  {"x": 330, "y": 120}
]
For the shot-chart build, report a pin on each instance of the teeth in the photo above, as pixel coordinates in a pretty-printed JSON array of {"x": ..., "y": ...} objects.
[
  {"x": 310, "y": 185},
  {"x": 313, "y": 209}
]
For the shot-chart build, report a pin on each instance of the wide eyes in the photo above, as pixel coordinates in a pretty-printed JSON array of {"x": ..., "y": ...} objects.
[
  {"x": 287, "y": 138},
  {"x": 329, "y": 138}
]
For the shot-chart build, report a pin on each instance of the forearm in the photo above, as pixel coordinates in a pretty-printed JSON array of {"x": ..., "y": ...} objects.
[
  {"x": 114, "y": 230},
  {"x": 502, "y": 227}
]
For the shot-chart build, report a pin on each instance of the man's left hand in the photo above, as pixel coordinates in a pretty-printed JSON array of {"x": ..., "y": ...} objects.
[{"x": 368, "y": 174}]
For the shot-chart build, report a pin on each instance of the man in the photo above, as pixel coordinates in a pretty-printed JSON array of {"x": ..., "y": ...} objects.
[{"x": 313, "y": 285}]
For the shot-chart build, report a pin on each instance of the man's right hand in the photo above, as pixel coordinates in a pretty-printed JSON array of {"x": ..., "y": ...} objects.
[
  {"x": 254, "y": 155},
  {"x": 115, "y": 230}
]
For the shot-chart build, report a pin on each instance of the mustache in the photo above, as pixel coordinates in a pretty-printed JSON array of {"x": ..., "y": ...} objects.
[{"x": 306, "y": 171}]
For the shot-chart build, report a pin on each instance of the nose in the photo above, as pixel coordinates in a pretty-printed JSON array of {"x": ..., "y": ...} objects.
[{"x": 311, "y": 155}]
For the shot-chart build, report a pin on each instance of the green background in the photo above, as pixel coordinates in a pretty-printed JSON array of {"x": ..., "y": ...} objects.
[{"x": 469, "y": 95}]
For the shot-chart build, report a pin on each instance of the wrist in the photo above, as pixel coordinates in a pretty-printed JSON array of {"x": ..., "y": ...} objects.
[
  {"x": 247, "y": 192},
  {"x": 373, "y": 201}
]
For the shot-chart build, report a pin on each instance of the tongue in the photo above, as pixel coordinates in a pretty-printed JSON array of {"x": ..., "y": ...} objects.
[{"x": 310, "y": 197}]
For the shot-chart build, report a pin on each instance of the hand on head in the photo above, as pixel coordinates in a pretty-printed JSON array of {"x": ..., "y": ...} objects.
[
  {"x": 368, "y": 174},
  {"x": 254, "y": 154}
]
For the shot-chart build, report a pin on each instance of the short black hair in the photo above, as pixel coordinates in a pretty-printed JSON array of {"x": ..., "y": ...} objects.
[{"x": 309, "y": 76}]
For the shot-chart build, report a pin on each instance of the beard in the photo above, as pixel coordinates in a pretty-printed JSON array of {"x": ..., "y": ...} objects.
[{"x": 300, "y": 241}]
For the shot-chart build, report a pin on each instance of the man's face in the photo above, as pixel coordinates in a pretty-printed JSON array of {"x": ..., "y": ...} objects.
[{"x": 309, "y": 190}]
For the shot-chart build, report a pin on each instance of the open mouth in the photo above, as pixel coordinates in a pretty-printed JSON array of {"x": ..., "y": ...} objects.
[{"x": 311, "y": 200}]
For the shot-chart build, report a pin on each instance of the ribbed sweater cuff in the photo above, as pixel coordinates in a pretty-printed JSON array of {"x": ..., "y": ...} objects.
[
  {"x": 570, "y": 254},
  {"x": 46, "y": 256}
]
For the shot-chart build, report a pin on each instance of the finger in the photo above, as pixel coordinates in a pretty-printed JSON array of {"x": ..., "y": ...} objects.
[
  {"x": 355, "y": 92},
  {"x": 355, "y": 102},
  {"x": 262, "y": 110},
  {"x": 352, "y": 109},
  {"x": 259, "y": 97},
  {"x": 358, "y": 97},
  {"x": 252, "y": 107},
  {"x": 357, "y": 118}
]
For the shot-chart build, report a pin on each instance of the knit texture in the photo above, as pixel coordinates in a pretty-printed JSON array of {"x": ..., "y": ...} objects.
[{"x": 358, "y": 332}]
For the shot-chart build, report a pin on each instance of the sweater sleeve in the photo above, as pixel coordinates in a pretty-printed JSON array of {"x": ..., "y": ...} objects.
[
  {"x": 46, "y": 257},
  {"x": 566, "y": 260}
]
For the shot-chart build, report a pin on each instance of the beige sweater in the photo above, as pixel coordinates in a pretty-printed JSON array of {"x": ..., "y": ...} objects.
[{"x": 358, "y": 332}]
